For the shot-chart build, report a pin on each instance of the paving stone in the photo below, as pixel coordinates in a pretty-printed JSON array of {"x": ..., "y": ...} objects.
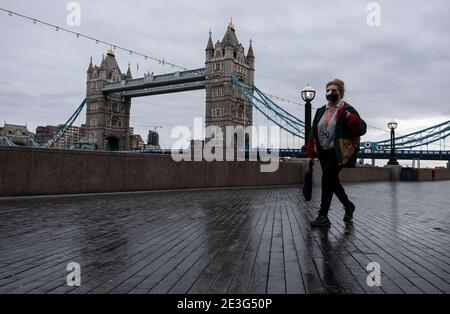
[{"x": 228, "y": 241}]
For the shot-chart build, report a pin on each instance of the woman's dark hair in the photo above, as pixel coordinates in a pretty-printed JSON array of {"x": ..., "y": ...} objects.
[{"x": 340, "y": 85}]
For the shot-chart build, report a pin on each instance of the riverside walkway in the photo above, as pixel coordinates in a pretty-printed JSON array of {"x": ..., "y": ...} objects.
[{"x": 228, "y": 241}]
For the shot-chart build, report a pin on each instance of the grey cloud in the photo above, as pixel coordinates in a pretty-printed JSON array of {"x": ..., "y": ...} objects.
[{"x": 399, "y": 70}]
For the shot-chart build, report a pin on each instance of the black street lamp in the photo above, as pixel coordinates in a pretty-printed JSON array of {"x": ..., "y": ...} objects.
[
  {"x": 392, "y": 160},
  {"x": 308, "y": 95}
]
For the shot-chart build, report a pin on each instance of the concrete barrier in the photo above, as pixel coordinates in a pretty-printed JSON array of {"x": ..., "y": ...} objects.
[
  {"x": 427, "y": 174},
  {"x": 357, "y": 174},
  {"x": 29, "y": 171},
  {"x": 365, "y": 174},
  {"x": 442, "y": 174}
]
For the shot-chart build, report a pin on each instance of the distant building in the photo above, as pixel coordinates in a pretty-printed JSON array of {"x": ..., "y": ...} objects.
[
  {"x": 17, "y": 134},
  {"x": 136, "y": 142},
  {"x": 70, "y": 140},
  {"x": 153, "y": 138},
  {"x": 45, "y": 133}
]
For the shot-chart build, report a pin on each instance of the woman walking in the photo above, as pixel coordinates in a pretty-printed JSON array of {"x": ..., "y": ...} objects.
[{"x": 335, "y": 137}]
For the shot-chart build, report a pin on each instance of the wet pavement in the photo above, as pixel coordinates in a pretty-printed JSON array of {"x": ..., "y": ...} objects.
[{"x": 228, "y": 241}]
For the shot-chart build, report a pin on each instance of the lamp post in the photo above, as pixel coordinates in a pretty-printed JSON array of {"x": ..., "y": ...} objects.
[
  {"x": 308, "y": 95},
  {"x": 392, "y": 160}
]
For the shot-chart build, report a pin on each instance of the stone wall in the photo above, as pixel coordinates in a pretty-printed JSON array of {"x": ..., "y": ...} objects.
[
  {"x": 29, "y": 171},
  {"x": 357, "y": 174},
  {"x": 365, "y": 174},
  {"x": 426, "y": 174}
]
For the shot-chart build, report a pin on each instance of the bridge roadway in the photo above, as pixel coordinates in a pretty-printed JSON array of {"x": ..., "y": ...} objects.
[
  {"x": 228, "y": 241},
  {"x": 159, "y": 84}
]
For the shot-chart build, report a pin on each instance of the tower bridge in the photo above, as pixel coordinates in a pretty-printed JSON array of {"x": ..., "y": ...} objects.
[
  {"x": 109, "y": 91},
  {"x": 231, "y": 99}
]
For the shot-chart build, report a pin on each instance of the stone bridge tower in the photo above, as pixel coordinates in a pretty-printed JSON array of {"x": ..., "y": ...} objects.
[
  {"x": 107, "y": 116},
  {"x": 225, "y": 106}
]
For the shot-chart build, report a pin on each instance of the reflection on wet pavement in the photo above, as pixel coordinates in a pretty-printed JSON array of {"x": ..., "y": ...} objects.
[{"x": 228, "y": 241}]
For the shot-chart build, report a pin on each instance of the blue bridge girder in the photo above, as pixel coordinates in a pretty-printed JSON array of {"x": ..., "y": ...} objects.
[
  {"x": 166, "y": 89},
  {"x": 407, "y": 154},
  {"x": 297, "y": 153},
  {"x": 159, "y": 84}
]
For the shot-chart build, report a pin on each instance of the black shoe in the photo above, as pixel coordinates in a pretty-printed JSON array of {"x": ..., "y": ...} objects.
[
  {"x": 321, "y": 222},
  {"x": 349, "y": 212}
]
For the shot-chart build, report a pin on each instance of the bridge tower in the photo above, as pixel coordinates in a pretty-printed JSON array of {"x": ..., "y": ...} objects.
[
  {"x": 107, "y": 116},
  {"x": 225, "y": 106}
]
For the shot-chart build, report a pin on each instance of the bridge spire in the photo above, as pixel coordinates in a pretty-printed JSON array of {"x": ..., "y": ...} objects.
[
  {"x": 210, "y": 46},
  {"x": 91, "y": 67},
  {"x": 230, "y": 24},
  {"x": 250, "y": 54},
  {"x": 102, "y": 65},
  {"x": 128, "y": 76},
  {"x": 230, "y": 38}
]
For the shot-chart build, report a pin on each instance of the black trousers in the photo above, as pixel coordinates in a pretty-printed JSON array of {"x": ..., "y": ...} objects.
[{"x": 330, "y": 181}]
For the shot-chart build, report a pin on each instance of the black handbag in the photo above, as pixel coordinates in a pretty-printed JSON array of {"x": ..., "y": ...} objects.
[{"x": 307, "y": 186}]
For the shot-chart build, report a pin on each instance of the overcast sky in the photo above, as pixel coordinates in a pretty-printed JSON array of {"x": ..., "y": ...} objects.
[{"x": 397, "y": 70}]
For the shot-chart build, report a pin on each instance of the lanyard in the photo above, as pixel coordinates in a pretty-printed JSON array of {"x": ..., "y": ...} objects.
[
  {"x": 335, "y": 110},
  {"x": 327, "y": 118}
]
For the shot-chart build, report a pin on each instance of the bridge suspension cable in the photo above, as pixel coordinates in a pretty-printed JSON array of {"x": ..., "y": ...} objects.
[
  {"x": 302, "y": 104},
  {"x": 58, "y": 135},
  {"x": 295, "y": 126},
  {"x": 6, "y": 141},
  {"x": 94, "y": 39},
  {"x": 419, "y": 138},
  {"x": 64, "y": 128},
  {"x": 271, "y": 110}
]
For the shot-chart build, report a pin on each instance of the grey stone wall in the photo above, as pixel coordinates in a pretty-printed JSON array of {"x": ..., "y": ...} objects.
[{"x": 28, "y": 171}]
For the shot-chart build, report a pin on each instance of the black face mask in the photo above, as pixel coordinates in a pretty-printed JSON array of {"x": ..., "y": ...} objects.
[{"x": 332, "y": 96}]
